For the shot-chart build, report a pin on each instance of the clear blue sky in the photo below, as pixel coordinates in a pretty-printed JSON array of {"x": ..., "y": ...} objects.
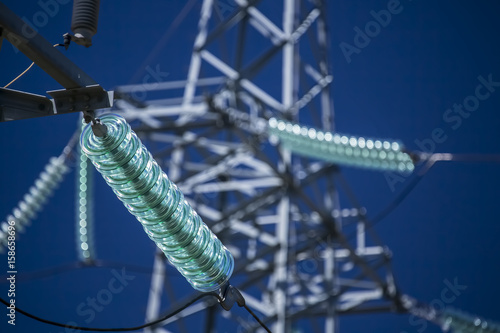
[{"x": 399, "y": 84}]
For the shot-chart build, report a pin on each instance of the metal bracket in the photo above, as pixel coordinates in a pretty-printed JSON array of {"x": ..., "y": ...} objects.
[
  {"x": 231, "y": 295},
  {"x": 38, "y": 49},
  {"x": 81, "y": 99},
  {"x": 82, "y": 92},
  {"x": 16, "y": 105}
]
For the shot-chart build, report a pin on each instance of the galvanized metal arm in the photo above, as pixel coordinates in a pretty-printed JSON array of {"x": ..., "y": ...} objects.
[{"x": 81, "y": 91}]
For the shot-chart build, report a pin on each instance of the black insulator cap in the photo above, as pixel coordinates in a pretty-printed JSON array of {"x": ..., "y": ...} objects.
[{"x": 84, "y": 21}]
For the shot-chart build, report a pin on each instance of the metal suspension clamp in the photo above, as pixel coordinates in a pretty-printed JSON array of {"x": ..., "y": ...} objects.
[
  {"x": 100, "y": 130},
  {"x": 231, "y": 295}
]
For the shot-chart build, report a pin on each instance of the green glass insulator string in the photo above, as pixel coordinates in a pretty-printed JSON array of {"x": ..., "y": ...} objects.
[
  {"x": 341, "y": 149},
  {"x": 84, "y": 219},
  {"x": 157, "y": 203},
  {"x": 457, "y": 321},
  {"x": 35, "y": 199}
]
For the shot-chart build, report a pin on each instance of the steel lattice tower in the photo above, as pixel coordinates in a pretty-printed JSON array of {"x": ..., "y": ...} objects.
[
  {"x": 233, "y": 136},
  {"x": 298, "y": 254}
]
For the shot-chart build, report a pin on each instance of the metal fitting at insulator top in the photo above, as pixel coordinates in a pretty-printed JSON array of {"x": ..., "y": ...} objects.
[{"x": 84, "y": 21}]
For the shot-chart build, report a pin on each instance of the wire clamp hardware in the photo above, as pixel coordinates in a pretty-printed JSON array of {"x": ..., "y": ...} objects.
[
  {"x": 231, "y": 295},
  {"x": 99, "y": 129}
]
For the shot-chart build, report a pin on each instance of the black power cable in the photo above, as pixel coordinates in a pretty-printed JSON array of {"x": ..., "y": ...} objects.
[
  {"x": 135, "y": 328},
  {"x": 257, "y": 318},
  {"x": 430, "y": 160},
  {"x": 125, "y": 329},
  {"x": 403, "y": 194}
]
